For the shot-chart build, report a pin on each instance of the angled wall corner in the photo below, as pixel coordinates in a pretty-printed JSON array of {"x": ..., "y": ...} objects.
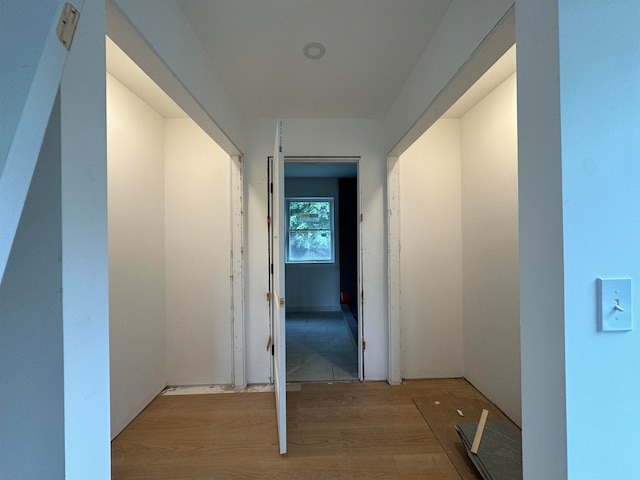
[{"x": 29, "y": 82}]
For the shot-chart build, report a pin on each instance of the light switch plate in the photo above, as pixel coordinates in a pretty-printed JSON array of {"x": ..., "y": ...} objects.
[{"x": 614, "y": 305}]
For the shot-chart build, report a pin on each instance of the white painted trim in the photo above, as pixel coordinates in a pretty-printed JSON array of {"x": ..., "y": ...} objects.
[
  {"x": 239, "y": 373},
  {"x": 393, "y": 264}
]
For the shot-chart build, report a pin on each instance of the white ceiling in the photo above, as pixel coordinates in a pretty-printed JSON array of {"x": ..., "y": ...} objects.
[{"x": 257, "y": 46}]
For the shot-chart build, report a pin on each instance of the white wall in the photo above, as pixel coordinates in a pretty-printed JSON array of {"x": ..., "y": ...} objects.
[
  {"x": 599, "y": 104},
  {"x": 31, "y": 340},
  {"x": 431, "y": 255},
  {"x": 29, "y": 85},
  {"x": 85, "y": 267},
  {"x": 169, "y": 255},
  {"x": 579, "y": 174},
  {"x": 198, "y": 245},
  {"x": 542, "y": 305},
  {"x": 54, "y": 339},
  {"x": 314, "y": 287},
  {"x": 20, "y": 68},
  {"x": 446, "y": 55},
  {"x": 459, "y": 259},
  {"x": 135, "y": 135},
  {"x": 317, "y": 137},
  {"x": 491, "y": 289}
]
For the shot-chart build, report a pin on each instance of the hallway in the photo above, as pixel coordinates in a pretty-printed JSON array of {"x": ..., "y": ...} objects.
[{"x": 320, "y": 348}]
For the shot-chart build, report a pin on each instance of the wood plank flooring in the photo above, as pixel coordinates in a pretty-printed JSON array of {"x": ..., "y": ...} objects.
[{"x": 336, "y": 431}]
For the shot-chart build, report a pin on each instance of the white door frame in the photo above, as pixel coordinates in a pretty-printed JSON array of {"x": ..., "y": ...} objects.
[
  {"x": 239, "y": 369},
  {"x": 394, "y": 375}
]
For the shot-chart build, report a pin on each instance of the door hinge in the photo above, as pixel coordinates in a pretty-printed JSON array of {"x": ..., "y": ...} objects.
[
  {"x": 268, "y": 220},
  {"x": 268, "y": 296},
  {"x": 364, "y": 345},
  {"x": 361, "y": 217},
  {"x": 271, "y": 269},
  {"x": 67, "y": 25},
  {"x": 282, "y": 302},
  {"x": 271, "y": 187}
]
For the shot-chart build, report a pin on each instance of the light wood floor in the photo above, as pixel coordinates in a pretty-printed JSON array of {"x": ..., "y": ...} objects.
[{"x": 336, "y": 431}]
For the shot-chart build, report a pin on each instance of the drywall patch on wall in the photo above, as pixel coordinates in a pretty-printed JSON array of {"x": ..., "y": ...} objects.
[
  {"x": 198, "y": 262},
  {"x": 431, "y": 255}
]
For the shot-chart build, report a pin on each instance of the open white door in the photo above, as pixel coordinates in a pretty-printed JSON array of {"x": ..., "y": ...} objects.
[
  {"x": 31, "y": 62},
  {"x": 278, "y": 289}
]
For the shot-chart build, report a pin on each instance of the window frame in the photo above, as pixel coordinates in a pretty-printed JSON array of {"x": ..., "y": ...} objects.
[{"x": 331, "y": 230}]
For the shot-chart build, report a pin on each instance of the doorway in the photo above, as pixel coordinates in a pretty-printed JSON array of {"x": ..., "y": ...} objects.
[{"x": 322, "y": 269}]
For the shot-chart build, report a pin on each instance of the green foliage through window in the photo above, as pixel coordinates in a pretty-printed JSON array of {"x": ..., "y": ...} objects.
[{"x": 310, "y": 230}]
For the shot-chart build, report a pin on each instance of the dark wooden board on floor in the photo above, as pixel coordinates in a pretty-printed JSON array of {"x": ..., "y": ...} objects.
[
  {"x": 440, "y": 410},
  {"x": 499, "y": 456}
]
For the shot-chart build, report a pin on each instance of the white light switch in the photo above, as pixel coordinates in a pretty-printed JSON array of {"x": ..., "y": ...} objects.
[{"x": 614, "y": 305}]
